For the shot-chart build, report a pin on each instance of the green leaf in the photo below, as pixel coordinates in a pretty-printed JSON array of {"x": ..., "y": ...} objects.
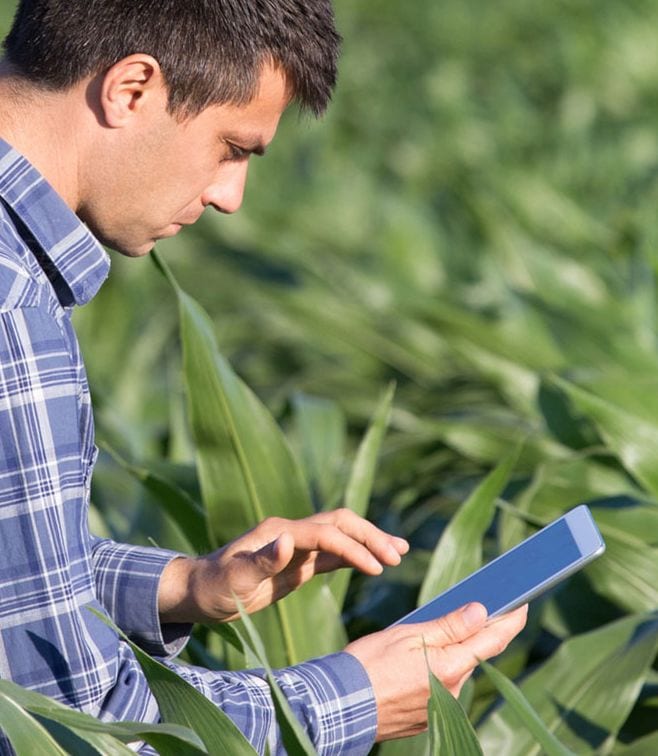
[
  {"x": 183, "y": 510},
  {"x": 171, "y": 739},
  {"x": 322, "y": 436},
  {"x": 180, "y": 703},
  {"x": 646, "y": 746},
  {"x": 359, "y": 487},
  {"x": 527, "y": 715},
  {"x": 27, "y": 736},
  {"x": 418, "y": 745},
  {"x": 247, "y": 472},
  {"x": 584, "y": 692},
  {"x": 450, "y": 732},
  {"x": 85, "y": 743},
  {"x": 629, "y": 435},
  {"x": 295, "y": 739},
  {"x": 459, "y": 550}
]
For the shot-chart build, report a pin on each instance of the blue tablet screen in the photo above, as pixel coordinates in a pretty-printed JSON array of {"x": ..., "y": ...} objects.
[{"x": 520, "y": 571}]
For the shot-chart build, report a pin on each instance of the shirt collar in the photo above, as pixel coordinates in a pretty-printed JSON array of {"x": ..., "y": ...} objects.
[{"x": 71, "y": 256}]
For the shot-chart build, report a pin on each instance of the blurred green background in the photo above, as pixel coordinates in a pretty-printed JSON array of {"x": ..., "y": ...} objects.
[{"x": 475, "y": 215}]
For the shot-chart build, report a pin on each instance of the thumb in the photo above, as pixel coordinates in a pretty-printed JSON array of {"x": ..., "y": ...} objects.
[
  {"x": 274, "y": 557},
  {"x": 456, "y": 626}
]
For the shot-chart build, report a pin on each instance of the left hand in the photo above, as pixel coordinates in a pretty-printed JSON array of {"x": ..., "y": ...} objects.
[{"x": 270, "y": 561}]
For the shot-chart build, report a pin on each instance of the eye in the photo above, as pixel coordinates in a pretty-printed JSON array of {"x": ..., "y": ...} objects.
[{"x": 235, "y": 153}]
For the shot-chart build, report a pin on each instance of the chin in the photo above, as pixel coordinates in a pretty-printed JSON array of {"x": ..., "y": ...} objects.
[{"x": 130, "y": 250}]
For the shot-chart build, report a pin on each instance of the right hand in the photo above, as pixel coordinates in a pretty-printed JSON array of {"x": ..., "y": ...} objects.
[{"x": 396, "y": 661}]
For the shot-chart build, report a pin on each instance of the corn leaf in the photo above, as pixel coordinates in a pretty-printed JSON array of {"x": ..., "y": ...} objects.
[
  {"x": 450, "y": 732},
  {"x": 248, "y": 472},
  {"x": 629, "y": 435},
  {"x": 180, "y": 703},
  {"x": 179, "y": 506},
  {"x": 584, "y": 692},
  {"x": 26, "y": 735},
  {"x": 170, "y": 738},
  {"x": 295, "y": 739},
  {"x": 359, "y": 487},
  {"x": 527, "y": 715},
  {"x": 459, "y": 550},
  {"x": 321, "y": 432}
]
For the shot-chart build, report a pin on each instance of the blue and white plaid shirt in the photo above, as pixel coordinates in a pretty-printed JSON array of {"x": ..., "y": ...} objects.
[{"x": 51, "y": 568}]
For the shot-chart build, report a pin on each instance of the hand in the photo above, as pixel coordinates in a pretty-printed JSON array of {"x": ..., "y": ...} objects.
[
  {"x": 270, "y": 561},
  {"x": 396, "y": 661}
]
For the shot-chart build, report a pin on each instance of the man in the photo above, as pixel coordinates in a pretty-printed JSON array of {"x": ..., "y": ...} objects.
[{"x": 133, "y": 118}]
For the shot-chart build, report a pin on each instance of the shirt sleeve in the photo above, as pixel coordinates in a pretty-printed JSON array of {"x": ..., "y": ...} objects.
[
  {"x": 331, "y": 697},
  {"x": 127, "y": 584}
]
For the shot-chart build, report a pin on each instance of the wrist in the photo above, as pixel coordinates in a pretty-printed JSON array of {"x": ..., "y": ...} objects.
[{"x": 176, "y": 600}]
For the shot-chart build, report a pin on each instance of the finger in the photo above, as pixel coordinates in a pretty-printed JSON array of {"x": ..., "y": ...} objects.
[
  {"x": 311, "y": 535},
  {"x": 386, "y": 548}
]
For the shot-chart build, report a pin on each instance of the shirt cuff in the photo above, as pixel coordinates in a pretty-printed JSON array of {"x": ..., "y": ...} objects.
[
  {"x": 127, "y": 583},
  {"x": 342, "y": 715}
]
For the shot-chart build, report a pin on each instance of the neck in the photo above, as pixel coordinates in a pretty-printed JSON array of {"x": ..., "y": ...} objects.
[{"x": 41, "y": 125}]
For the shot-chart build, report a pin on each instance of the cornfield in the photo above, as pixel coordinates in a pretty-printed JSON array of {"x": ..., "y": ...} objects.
[{"x": 438, "y": 308}]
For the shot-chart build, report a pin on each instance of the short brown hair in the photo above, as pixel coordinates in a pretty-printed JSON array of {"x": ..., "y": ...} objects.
[{"x": 210, "y": 51}]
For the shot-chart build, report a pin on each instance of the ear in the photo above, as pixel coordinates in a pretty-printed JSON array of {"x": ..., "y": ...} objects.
[{"x": 130, "y": 86}]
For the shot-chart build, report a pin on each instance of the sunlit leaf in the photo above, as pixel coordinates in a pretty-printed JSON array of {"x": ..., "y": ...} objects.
[
  {"x": 459, "y": 550},
  {"x": 27, "y": 736},
  {"x": 527, "y": 715},
  {"x": 248, "y": 472},
  {"x": 180, "y": 703},
  {"x": 584, "y": 692},
  {"x": 450, "y": 732},
  {"x": 295, "y": 739},
  {"x": 359, "y": 487},
  {"x": 631, "y": 437},
  {"x": 107, "y": 737}
]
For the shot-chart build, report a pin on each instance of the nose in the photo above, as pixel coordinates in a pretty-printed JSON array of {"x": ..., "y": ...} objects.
[{"x": 226, "y": 192}]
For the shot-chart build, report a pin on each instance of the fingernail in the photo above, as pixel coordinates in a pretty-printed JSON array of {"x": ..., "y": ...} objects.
[
  {"x": 393, "y": 554},
  {"x": 403, "y": 546},
  {"x": 376, "y": 567},
  {"x": 474, "y": 615}
]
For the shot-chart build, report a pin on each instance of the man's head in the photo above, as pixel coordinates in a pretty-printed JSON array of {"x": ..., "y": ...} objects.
[{"x": 147, "y": 112}]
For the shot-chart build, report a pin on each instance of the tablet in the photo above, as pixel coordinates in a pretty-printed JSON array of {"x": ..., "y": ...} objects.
[{"x": 525, "y": 571}]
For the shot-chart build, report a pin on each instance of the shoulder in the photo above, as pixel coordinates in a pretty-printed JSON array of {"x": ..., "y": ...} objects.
[{"x": 18, "y": 287}]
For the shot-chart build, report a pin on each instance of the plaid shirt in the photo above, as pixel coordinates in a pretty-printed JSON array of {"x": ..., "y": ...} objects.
[{"x": 51, "y": 568}]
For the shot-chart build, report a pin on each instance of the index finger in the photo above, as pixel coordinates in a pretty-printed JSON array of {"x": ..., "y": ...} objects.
[{"x": 387, "y": 548}]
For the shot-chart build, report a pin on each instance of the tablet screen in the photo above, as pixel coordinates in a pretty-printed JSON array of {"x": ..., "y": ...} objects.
[{"x": 533, "y": 563}]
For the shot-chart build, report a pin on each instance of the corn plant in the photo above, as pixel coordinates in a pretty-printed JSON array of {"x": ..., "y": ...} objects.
[{"x": 474, "y": 222}]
